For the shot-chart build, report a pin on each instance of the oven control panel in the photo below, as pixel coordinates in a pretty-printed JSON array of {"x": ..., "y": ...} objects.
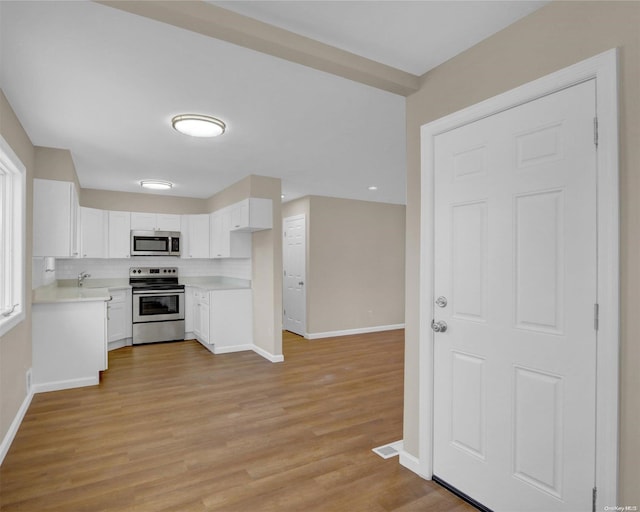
[{"x": 153, "y": 271}]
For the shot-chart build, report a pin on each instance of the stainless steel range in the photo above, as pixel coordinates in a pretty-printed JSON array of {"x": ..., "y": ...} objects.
[{"x": 158, "y": 304}]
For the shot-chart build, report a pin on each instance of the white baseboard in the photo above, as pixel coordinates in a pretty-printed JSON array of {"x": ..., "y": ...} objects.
[
  {"x": 411, "y": 463},
  {"x": 241, "y": 348},
  {"x": 43, "y": 387},
  {"x": 15, "y": 425},
  {"x": 232, "y": 348},
  {"x": 205, "y": 345},
  {"x": 347, "y": 332},
  {"x": 267, "y": 355},
  {"x": 113, "y": 345}
]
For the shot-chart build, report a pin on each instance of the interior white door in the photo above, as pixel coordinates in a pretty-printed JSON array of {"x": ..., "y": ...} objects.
[
  {"x": 294, "y": 279},
  {"x": 515, "y": 259}
]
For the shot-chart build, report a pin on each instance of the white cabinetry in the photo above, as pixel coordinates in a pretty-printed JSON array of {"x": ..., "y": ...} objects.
[
  {"x": 252, "y": 214},
  {"x": 69, "y": 344},
  {"x": 155, "y": 221},
  {"x": 93, "y": 230},
  {"x": 224, "y": 242},
  {"x": 195, "y": 236},
  {"x": 201, "y": 316},
  {"x": 230, "y": 319},
  {"x": 189, "y": 309},
  {"x": 222, "y": 319},
  {"x": 119, "y": 234},
  {"x": 119, "y": 315},
  {"x": 55, "y": 219}
]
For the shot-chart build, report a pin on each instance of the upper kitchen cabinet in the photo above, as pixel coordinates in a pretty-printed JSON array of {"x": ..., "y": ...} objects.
[
  {"x": 119, "y": 235},
  {"x": 224, "y": 242},
  {"x": 251, "y": 214},
  {"x": 55, "y": 219},
  {"x": 155, "y": 222},
  {"x": 93, "y": 240},
  {"x": 195, "y": 236}
]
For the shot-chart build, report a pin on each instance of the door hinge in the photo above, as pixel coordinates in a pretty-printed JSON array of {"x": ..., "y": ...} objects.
[
  {"x": 595, "y": 131},
  {"x": 594, "y": 496},
  {"x": 285, "y": 273},
  {"x": 596, "y": 316}
]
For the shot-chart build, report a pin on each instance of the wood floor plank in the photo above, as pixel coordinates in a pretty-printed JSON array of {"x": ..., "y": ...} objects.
[{"x": 172, "y": 427}]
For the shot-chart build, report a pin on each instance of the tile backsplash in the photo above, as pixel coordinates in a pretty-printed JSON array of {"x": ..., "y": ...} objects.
[{"x": 119, "y": 268}]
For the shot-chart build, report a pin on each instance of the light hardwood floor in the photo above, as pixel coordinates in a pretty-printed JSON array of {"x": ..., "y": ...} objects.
[{"x": 171, "y": 427}]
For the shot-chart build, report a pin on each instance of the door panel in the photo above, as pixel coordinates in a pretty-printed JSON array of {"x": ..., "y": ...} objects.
[
  {"x": 515, "y": 256},
  {"x": 294, "y": 280}
]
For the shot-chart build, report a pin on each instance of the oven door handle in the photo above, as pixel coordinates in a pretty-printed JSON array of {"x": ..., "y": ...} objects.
[{"x": 158, "y": 292}]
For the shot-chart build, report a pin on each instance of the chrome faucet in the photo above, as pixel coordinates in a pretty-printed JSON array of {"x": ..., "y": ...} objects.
[{"x": 81, "y": 277}]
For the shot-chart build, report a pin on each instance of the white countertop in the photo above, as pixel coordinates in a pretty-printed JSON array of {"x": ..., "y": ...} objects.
[
  {"x": 67, "y": 290},
  {"x": 52, "y": 293},
  {"x": 216, "y": 283},
  {"x": 111, "y": 283}
]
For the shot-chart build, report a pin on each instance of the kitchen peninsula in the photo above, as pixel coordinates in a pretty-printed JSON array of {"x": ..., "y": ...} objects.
[{"x": 69, "y": 337}]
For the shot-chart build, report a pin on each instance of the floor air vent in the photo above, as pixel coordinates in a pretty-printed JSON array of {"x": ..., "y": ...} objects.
[{"x": 388, "y": 450}]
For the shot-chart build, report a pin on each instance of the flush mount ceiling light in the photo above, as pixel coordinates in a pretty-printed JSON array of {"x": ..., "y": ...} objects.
[
  {"x": 156, "y": 184},
  {"x": 197, "y": 125},
  {"x": 372, "y": 187}
]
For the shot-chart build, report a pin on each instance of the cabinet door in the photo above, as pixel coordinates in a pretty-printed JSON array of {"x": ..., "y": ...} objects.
[
  {"x": 54, "y": 219},
  {"x": 143, "y": 221},
  {"x": 196, "y": 315},
  {"x": 252, "y": 214},
  {"x": 231, "y": 318},
  {"x": 167, "y": 222},
  {"x": 119, "y": 235},
  {"x": 220, "y": 242},
  {"x": 116, "y": 319},
  {"x": 93, "y": 233},
  {"x": 196, "y": 234},
  {"x": 204, "y": 321},
  {"x": 75, "y": 222},
  {"x": 189, "y": 308},
  {"x": 240, "y": 215}
]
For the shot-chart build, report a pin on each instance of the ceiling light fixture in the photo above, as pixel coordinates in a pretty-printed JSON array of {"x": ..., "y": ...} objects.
[
  {"x": 156, "y": 184},
  {"x": 372, "y": 187},
  {"x": 197, "y": 125}
]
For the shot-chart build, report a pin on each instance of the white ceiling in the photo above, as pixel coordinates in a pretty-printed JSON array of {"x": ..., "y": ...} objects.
[
  {"x": 414, "y": 36},
  {"x": 104, "y": 84}
]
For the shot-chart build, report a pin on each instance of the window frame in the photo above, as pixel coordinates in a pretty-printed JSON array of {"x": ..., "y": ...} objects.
[{"x": 13, "y": 199}]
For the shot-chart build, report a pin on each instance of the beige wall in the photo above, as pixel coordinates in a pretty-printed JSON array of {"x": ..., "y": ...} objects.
[
  {"x": 355, "y": 263},
  {"x": 266, "y": 260},
  {"x": 138, "y": 202},
  {"x": 55, "y": 164},
  {"x": 15, "y": 346},
  {"x": 556, "y": 36},
  {"x": 266, "y": 280}
]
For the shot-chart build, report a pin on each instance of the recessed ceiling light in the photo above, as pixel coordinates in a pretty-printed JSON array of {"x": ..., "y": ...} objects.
[
  {"x": 156, "y": 184},
  {"x": 372, "y": 187},
  {"x": 197, "y": 125}
]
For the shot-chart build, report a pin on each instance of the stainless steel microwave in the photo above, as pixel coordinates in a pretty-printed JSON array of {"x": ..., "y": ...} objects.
[{"x": 155, "y": 243}]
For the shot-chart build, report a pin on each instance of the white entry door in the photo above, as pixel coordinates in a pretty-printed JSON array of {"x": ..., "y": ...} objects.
[
  {"x": 515, "y": 261},
  {"x": 293, "y": 294}
]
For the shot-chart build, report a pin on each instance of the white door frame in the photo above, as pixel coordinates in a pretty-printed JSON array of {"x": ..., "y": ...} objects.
[
  {"x": 602, "y": 68},
  {"x": 304, "y": 278}
]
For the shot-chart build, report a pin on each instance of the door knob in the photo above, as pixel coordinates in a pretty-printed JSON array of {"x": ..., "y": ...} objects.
[
  {"x": 301, "y": 283},
  {"x": 438, "y": 326}
]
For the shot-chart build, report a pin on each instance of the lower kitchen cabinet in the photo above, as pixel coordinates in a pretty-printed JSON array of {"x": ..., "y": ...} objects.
[
  {"x": 69, "y": 344},
  {"x": 222, "y": 319},
  {"x": 118, "y": 318}
]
